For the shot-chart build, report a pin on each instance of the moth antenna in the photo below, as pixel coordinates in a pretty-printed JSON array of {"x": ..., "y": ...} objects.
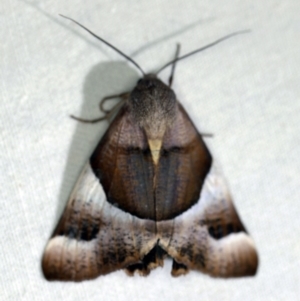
[
  {"x": 171, "y": 78},
  {"x": 203, "y": 48},
  {"x": 108, "y": 44}
]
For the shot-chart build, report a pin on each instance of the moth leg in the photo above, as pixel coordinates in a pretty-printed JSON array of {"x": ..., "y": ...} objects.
[
  {"x": 123, "y": 96},
  {"x": 89, "y": 120},
  {"x": 108, "y": 113},
  {"x": 152, "y": 260}
]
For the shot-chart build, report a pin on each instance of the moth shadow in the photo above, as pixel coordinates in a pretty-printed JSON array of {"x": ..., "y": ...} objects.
[{"x": 102, "y": 80}]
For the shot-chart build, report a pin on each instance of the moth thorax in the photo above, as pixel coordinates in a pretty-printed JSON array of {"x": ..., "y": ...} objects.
[{"x": 153, "y": 105}]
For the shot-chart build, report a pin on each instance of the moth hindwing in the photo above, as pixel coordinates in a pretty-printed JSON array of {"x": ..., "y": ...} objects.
[{"x": 151, "y": 189}]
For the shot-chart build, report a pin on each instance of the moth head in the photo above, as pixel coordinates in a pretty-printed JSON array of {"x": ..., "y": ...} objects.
[{"x": 153, "y": 105}]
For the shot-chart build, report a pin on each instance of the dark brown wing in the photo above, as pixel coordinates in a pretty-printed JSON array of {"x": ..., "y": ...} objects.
[
  {"x": 183, "y": 166},
  {"x": 123, "y": 163}
]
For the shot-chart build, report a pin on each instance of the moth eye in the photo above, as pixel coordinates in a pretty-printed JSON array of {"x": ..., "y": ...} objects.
[
  {"x": 149, "y": 83},
  {"x": 145, "y": 83}
]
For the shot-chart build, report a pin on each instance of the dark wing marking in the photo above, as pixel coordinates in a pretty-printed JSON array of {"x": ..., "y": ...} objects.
[
  {"x": 93, "y": 237},
  {"x": 183, "y": 166},
  {"x": 123, "y": 163},
  {"x": 210, "y": 237}
]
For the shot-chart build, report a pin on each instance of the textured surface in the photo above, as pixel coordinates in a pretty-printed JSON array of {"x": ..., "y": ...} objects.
[{"x": 245, "y": 91}]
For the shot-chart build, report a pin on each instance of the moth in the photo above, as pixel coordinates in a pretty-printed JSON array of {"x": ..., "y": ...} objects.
[{"x": 151, "y": 189}]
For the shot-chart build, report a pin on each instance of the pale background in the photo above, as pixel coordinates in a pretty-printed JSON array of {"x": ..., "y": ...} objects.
[{"x": 246, "y": 91}]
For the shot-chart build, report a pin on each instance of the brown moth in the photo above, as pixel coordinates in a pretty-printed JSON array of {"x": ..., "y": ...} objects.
[{"x": 151, "y": 189}]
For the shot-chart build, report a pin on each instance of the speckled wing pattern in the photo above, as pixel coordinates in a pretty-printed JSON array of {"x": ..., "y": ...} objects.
[{"x": 120, "y": 216}]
